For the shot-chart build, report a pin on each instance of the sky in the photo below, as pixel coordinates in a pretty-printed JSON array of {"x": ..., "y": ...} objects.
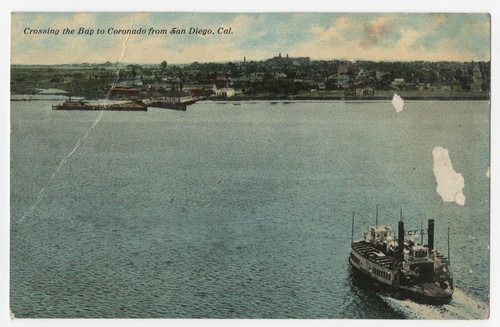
[{"x": 257, "y": 36}]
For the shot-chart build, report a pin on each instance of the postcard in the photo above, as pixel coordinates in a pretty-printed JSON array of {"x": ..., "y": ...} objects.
[{"x": 250, "y": 165}]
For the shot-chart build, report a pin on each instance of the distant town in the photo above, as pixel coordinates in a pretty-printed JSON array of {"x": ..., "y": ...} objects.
[{"x": 280, "y": 77}]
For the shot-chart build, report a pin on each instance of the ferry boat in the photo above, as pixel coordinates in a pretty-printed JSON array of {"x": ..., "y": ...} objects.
[{"x": 403, "y": 264}]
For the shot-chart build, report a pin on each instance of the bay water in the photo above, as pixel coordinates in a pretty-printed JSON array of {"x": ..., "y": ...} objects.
[{"x": 237, "y": 211}]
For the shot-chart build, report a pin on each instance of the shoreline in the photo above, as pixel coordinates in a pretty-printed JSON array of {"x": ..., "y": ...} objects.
[
  {"x": 354, "y": 98},
  {"x": 300, "y": 97},
  {"x": 308, "y": 99}
]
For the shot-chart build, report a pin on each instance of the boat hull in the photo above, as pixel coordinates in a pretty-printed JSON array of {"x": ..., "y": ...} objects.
[
  {"x": 129, "y": 106},
  {"x": 424, "y": 293},
  {"x": 169, "y": 105}
]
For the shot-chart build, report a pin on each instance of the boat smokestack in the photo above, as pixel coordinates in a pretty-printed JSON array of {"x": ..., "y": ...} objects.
[
  {"x": 430, "y": 234},
  {"x": 401, "y": 240}
]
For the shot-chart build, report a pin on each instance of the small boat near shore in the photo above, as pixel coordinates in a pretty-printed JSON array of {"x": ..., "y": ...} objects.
[
  {"x": 403, "y": 265},
  {"x": 81, "y": 105}
]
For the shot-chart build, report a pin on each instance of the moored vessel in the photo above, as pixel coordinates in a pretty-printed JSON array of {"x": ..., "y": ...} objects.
[
  {"x": 81, "y": 105},
  {"x": 166, "y": 104},
  {"x": 407, "y": 266}
]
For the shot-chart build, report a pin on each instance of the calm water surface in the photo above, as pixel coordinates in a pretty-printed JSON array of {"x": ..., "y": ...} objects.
[{"x": 236, "y": 211}]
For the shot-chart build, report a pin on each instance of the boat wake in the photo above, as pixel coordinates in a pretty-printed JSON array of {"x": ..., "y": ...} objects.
[{"x": 462, "y": 306}]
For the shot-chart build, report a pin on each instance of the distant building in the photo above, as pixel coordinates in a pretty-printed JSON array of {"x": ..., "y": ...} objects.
[
  {"x": 177, "y": 96},
  {"x": 225, "y": 92},
  {"x": 477, "y": 79},
  {"x": 124, "y": 93},
  {"x": 342, "y": 70},
  {"x": 359, "y": 91},
  {"x": 137, "y": 82},
  {"x": 379, "y": 74},
  {"x": 198, "y": 90},
  {"x": 445, "y": 87},
  {"x": 343, "y": 80},
  {"x": 221, "y": 82},
  {"x": 398, "y": 81}
]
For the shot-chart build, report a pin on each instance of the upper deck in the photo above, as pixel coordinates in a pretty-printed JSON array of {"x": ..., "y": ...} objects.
[{"x": 369, "y": 251}]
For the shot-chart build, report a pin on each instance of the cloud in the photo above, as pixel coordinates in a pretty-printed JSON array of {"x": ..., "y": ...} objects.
[
  {"x": 75, "y": 21},
  {"x": 409, "y": 38},
  {"x": 439, "y": 19},
  {"x": 375, "y": 30},
  {"x": 334, "y": 32},
  {"x": 241, "y": 23},
  {"x": 401, "y": 37}
]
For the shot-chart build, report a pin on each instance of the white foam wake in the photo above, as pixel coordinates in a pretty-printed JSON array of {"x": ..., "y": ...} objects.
[{"x": 462, "y": 306}]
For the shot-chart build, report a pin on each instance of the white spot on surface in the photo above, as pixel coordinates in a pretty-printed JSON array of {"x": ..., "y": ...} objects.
[
  {"x": 397, "y": 102},
  {"x": 488, "y": 172},
  {"x": 449, "y": 183}
]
